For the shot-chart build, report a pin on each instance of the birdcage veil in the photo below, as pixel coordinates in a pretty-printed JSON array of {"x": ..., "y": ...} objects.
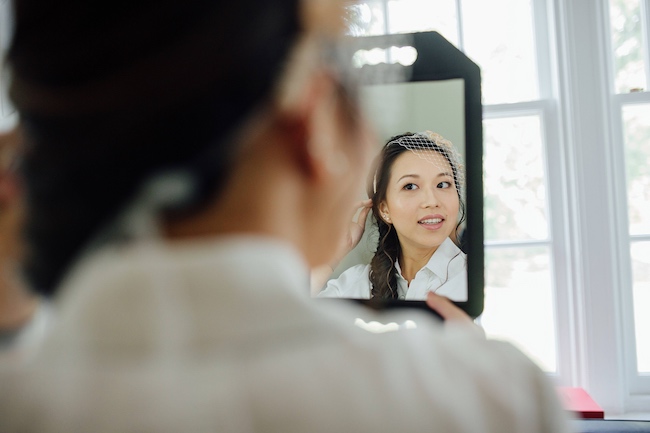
[{"x": 429, "y": 146}]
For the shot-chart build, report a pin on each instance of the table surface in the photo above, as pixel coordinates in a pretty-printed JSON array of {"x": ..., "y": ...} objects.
[{"x": 610, "y": 426}]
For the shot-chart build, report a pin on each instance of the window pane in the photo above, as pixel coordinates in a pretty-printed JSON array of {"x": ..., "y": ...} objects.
[
  {"x": 515, "y": 190},
  {"x": 627, "y": 37},
  {"x": 406, "y": 16},
  {"x": 365, "y": 19},
  {"x": 498, "y": 35},
  {"x": 636, "y": 124},
  {"x": 640, "y": 252},
  {"x": 519, "y": 301}
]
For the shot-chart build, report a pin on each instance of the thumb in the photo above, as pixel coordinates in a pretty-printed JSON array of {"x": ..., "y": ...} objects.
[{"x": 450, "y": 312}]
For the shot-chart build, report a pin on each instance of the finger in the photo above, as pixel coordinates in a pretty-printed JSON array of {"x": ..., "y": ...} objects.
[
  {"x": 452, "y": 314},
  {"x": 361, "y": 220},
  {"x": 447, "y": 309},
  {"x": 363, "y": 205},
  {"x": 357, "y": 206}
]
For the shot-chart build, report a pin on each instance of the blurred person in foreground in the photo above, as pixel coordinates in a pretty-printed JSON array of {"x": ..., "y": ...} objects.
[
  {"x": 186, "y": 167},
  {"x": 23, "y": 315}
]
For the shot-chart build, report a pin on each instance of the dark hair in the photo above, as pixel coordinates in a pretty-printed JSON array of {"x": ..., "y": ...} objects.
[
  {"x": 111, "y": 94},
  {"x": 383, "y": 273}
]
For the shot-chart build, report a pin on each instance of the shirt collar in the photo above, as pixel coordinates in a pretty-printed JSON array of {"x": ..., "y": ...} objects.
[{"x": 439, "y": 261}]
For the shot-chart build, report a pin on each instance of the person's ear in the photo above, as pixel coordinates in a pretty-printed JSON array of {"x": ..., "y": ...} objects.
[
  {"x": 311, "y": 122},
  {"x": 383, "y": 212}
]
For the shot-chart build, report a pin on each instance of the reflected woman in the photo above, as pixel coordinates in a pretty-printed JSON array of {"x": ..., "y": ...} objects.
[{"x": 417, "y": 203}]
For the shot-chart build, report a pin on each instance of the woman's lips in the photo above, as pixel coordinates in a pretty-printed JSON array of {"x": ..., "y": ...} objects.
[{"x": 432, "y": 222}]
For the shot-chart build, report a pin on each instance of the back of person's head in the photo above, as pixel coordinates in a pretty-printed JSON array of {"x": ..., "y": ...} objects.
[{"x": 112, "y": 93}]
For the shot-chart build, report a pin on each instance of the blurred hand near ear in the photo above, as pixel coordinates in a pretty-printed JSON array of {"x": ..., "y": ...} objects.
[
  {"x": 357, "y": 226},
  {"x": 321, "y": 274}
]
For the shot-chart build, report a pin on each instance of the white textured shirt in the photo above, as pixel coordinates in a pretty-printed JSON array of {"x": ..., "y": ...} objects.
[
  {"x": 30, "y": 336},
  {"x": 444, "y": 274},
  {"x": 222, "y": 336}
]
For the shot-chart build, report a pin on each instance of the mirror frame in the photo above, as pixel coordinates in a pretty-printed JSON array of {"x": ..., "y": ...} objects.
[{"x": 438, "y": 59}]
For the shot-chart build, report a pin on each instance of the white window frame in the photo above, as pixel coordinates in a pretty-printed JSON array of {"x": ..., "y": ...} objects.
[
  {"x": 638, "y": 386},
  {"x": 601, "y": 314}
]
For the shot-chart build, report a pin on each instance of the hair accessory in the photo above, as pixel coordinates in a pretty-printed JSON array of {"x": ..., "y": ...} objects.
[{"x": 428, "y": 145}]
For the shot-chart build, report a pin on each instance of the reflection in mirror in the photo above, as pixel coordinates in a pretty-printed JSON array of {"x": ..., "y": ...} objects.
[
  {"x": 414, "y": 235},
  {"x": 422, "y": 192}
]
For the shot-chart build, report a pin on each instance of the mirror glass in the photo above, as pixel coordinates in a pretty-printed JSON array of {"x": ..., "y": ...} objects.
[{"x": 396, "y": 108}]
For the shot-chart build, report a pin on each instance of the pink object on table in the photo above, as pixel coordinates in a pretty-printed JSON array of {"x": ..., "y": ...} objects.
[{"x": 579, "y": 402}]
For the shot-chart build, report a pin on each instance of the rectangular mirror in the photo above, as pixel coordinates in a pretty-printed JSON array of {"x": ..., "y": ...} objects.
[{"x": 439, "y": 92}]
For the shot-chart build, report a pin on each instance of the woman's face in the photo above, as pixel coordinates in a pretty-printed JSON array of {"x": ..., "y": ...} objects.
[{"x": 421, "y": 200}]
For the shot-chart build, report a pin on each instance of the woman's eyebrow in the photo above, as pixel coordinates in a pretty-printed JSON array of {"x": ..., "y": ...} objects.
[
  {"x": 408, "y": 175},
  {"x": 443, "y": 174}
]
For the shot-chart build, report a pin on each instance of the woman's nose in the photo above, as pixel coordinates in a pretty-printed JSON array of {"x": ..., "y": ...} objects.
[{"x": 430, "y": 198}]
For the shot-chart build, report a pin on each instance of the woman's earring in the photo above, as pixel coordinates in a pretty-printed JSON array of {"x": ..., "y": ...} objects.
[{"x": 386, "y": 217}]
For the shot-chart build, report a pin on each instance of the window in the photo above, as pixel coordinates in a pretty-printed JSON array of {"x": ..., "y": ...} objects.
[
  {"x": 629, "y": 22},
  {"x": 567, "y": 178},
  {"x": 636, "y": 133}
]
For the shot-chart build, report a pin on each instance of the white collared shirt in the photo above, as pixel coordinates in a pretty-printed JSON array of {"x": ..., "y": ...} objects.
[
  {"x": 444, "y": 274},
  {"x": 222, "y": 335}
]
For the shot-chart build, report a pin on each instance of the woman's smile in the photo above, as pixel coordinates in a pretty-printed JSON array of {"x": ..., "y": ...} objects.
[{"x": 432, "y": 222}]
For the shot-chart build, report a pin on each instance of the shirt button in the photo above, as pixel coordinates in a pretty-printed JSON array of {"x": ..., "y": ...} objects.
[{"x": 402, "y": 297}]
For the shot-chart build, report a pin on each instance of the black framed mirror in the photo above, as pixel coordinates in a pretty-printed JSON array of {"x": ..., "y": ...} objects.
[{"x": 440, "y": 91}]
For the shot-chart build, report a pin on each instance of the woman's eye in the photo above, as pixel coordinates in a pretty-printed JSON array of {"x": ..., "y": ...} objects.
[
  {"x": 444, "y": 184},
  {"x": 410, "y": 186}
]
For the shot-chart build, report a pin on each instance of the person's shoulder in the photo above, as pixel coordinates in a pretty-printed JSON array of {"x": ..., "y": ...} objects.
[
  {"x": 499, "y": 360},
  {"x": 507, "y": 382},
  {"x": 354, "y": 282}
]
